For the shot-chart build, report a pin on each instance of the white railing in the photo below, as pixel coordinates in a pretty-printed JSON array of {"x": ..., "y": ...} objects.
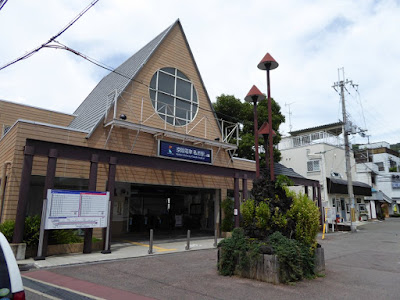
[
  {"x": 310, "y": 139},
  {"x": 229, "y": 132}
]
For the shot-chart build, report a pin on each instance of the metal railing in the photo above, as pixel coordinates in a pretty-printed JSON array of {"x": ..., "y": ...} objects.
[{"x": 310, "y": 139}]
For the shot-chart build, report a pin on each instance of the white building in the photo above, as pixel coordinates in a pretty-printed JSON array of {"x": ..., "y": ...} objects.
[
  {"x": 381, "y": 165},
  {"x": 318, "y": 153}
]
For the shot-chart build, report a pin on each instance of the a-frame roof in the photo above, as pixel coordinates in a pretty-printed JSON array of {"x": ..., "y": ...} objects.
[{"x": 93, "y": 108}]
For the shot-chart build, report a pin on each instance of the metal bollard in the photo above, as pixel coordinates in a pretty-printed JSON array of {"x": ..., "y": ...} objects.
[
  {"x": 188, "y": 241},
  {"x": 151, "y": 242},
  {"x": 215, "y": 238}
]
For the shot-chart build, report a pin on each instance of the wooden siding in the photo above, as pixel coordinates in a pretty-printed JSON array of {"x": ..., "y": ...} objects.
[
  {"x": 173, "y": 52},
  {"x": 18, "y": 136},
  {"x": 7, "y": 152},
  {"x": 135, "y": 103},
  {"x": 10, "y": 112},
  {"x": 244, "y": 164}
]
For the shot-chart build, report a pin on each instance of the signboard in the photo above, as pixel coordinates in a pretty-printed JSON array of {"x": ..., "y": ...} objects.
[
  {"x": 330, "y": 213},
  {"x": 184, "y": 152},
  {"x": 76, "y": 209}
]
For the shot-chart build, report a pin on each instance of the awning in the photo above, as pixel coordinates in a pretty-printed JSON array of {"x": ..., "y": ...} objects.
[
  {"x": 380, "y": 196},
  {"x": 339, "y": 186}
]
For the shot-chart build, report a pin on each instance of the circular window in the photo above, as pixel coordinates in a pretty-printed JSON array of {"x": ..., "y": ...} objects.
[{"x": 173, "y": 96}]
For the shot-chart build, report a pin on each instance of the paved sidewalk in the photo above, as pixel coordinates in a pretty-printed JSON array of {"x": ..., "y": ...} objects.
[
  {"x": 120, "y": 250},
  {"x": 129, "y": 249}
]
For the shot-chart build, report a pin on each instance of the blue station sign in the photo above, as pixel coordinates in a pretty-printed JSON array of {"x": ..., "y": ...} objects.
[{"x": 184, "y": 152}]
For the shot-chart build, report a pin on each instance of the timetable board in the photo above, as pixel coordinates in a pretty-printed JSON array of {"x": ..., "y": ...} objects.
[{"x": 76, "y": 209}]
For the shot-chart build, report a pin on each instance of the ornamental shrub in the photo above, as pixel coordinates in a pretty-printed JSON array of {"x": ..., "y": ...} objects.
[
  {"x": 305, "y": 215},
  {"x": 7, "y": 228},
  {"x": 248, "y": 211},
  {"x": 237, "y": 252},
  {"x": 228, "y": 221},
  {"x": 263, "y": 216},
  {"x": 296, "y": 261},
  {"x": 32, "y": 232},
  {"x": 278, "y": 220}
]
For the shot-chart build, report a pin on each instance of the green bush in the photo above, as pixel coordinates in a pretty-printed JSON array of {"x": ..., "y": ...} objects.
[
  {"x": 7, "y": 228},
  {"x": 296, "y": 260},
  {"x": 228, "y": 221},
  {"x": 263, "y": 216},
  {"x": 248, "y": 210},
  {"x": 278, "y": 220},
  {"x": 236, "y": 252},
  {"x": 32, "y": 232},
  {"x": 64, "y": 236},
  {"x": 305, "y": 215}
]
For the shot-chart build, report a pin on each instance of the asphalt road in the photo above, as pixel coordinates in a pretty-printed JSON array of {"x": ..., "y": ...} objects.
[{"x": 361, "y": 265}]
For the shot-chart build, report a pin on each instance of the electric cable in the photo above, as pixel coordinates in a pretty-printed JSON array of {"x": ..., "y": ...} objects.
[
  {"x": 2, "y": 3},
  {"x": 32, "y": 52},
  {"x": 108, "y": 68}
]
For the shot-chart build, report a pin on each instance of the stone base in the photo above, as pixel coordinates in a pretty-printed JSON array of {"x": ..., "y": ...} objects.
[
  {"x": 66, "y": 248},
  {"x": 267, "y": 267},
  {"x": 19, "y": 250}
]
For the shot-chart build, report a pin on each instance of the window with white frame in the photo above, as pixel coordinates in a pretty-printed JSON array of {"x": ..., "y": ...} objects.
[
  {"x": 380, "y": 165},
  {"x": 173, "y": 96},
  {"x": 313, "y": 166}
]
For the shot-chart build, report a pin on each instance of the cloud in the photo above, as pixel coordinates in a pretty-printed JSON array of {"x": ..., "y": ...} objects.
[{"x": 309, "y": 39}]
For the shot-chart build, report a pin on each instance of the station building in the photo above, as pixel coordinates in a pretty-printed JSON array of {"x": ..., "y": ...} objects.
[{"x": 147, "y": 133}]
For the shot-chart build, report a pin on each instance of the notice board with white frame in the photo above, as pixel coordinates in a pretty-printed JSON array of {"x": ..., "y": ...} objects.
[{"x": 68, "y": 209}]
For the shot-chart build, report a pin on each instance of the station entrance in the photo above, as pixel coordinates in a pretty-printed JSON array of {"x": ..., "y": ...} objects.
[{"x": 169, "y": 210}]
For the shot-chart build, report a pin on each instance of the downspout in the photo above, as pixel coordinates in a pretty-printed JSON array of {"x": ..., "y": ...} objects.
[{"x": 2, "y": 187}]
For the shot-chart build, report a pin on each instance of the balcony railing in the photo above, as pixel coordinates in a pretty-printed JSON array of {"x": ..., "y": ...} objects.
[{"x": 310, "y": 139}]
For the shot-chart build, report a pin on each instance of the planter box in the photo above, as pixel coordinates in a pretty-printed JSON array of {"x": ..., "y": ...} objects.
[
  {"x": 65, "y": 249},
  {"x": 19, "y": 250},
  {"x": 267, "y": 267}
]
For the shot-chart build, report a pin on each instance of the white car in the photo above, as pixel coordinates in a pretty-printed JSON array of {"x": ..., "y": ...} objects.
[{"x": 11, "y": 286}]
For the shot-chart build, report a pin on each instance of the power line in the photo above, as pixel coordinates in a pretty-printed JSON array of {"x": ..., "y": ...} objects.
[
  {"x": 32, "y": 52},
  {"x": 108, "y": 68},
  {"x": 2, "y": 3}
]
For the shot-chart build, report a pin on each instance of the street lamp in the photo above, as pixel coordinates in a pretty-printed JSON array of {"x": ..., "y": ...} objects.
[
  {"x": 264, "y": 131},
  {"x": 269, "y": 63},
  {"x": 254, "y": 95}
]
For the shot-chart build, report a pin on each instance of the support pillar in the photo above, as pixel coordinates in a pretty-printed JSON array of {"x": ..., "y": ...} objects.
[
  {"x": 217, "y": 205},
  {"x": 112, "y": 168},
  {"x": 87, "y": 244},
  {"x": 29, "y": 152},
  {"x": 49, "y": 184},
  {"x": 237, "y": 200},
  {"x": 314, "y": 193},
  {"x": 244, "y": 188},
  {"x": 322, "y": 216}
]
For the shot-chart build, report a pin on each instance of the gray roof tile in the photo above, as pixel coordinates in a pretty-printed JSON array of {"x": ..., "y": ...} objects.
[{"x": 93, "y": 108}]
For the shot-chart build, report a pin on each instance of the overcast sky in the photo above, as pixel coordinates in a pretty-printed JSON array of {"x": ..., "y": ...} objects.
[{"x": 310, "y": 40}]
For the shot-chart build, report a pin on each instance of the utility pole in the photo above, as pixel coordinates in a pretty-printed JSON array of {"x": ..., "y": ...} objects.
[{"x": 342, "y": 85}]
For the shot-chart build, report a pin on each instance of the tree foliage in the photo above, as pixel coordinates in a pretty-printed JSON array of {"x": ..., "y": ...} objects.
[{"x": 230, "y": 108}]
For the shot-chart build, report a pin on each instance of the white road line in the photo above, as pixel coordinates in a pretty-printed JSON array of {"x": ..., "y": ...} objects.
[
  {"x": 41, "y": 294},
  {"x": 63, "y": 288}
]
